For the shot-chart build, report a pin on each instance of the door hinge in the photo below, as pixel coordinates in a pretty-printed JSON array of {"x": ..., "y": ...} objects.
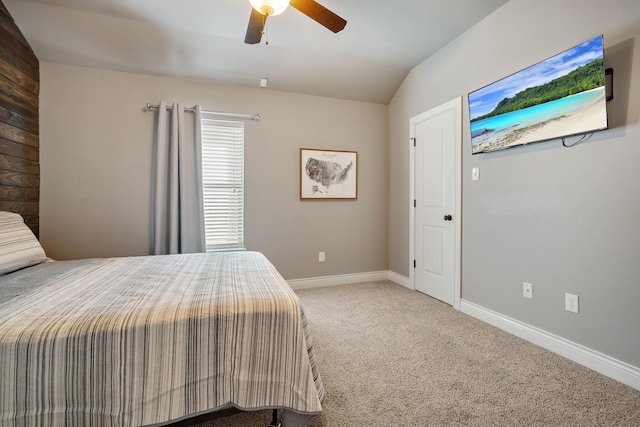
[
  {"x": 415, "y": 203},
  {"x": 414, "y": 141},
  {"x": 414, "y": 263}
]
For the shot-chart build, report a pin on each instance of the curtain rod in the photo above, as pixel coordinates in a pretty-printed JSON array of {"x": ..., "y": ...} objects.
[{"x": 254, "y": 117}]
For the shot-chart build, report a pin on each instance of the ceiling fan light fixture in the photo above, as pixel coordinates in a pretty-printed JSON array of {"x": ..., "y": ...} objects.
[{"x": 270, "y": 7}]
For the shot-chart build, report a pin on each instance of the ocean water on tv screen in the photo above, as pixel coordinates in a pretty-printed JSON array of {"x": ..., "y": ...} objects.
[
  {"x": 500, "y": 131},
  {"x": 538, "y": 114}
]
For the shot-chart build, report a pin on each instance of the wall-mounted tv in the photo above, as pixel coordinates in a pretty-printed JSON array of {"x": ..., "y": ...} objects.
[{"x": 558, "y": 97}]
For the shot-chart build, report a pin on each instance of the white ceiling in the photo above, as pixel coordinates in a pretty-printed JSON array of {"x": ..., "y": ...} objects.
[{"x": 204, "y": 40}]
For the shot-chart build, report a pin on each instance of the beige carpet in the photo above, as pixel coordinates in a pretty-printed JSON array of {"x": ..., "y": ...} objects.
[{"x": 389, "y": 356}]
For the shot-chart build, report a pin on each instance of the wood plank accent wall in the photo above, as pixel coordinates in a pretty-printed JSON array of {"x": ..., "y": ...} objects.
[{"x": 19, "y": 123}]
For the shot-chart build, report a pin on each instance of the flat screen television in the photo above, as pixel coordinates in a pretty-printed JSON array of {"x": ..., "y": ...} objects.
[{"x": 558, "y": 97}]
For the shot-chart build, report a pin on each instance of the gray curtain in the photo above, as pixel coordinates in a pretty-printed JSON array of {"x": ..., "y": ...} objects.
[{"x": 178, "y": 217}]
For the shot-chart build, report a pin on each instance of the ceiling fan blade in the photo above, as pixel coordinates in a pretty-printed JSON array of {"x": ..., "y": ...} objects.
[
  {"x": 256, "y": 25},
  {"x": 320, "y": 14}
]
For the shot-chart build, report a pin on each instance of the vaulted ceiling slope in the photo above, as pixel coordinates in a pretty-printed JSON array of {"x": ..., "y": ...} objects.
[{"x": 204, "y": 40}]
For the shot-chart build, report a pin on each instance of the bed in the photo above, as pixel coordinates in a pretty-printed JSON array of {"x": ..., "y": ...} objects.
[{"x": 148, "y": 340}]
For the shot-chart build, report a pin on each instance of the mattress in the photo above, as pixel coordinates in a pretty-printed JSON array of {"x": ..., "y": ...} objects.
[{"x": 146, "y": 340}]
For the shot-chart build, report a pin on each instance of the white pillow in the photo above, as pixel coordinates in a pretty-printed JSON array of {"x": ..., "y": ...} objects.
[{"x": 19, "y": 247}]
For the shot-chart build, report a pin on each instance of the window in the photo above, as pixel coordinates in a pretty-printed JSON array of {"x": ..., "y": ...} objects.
[{"x": 223, "y": 182}]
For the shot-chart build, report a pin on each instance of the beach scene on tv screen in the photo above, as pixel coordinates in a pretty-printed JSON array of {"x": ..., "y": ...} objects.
[{"x": 563, "y": 95}]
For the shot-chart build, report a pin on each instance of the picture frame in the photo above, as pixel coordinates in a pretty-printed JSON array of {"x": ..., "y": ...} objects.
[{"x": 328, "y": 174}]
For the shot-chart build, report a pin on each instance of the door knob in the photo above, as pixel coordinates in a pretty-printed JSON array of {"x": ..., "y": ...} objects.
[{"x": 448, "y": 217}]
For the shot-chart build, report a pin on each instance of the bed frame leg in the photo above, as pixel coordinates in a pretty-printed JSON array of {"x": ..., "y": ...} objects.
[{"x": 274, "y": 419}]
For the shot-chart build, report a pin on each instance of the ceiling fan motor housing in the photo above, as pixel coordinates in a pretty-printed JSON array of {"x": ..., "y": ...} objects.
[
  {"x": 269, "y": 7},
  {"x": 265, "y": 8}
]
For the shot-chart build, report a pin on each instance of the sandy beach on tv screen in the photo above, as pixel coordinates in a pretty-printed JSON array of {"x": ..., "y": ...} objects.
[{"x": 591, "y": 117}]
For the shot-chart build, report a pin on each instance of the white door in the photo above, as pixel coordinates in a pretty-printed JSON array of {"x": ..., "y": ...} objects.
[{"x": 436, "y": 135}]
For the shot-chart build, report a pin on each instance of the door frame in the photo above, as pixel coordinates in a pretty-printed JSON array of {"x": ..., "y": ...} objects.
[{"x": 456, "y": 105}]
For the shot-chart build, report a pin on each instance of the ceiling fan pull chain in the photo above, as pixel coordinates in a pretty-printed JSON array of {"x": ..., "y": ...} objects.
[{"x": 266, "y": 31}]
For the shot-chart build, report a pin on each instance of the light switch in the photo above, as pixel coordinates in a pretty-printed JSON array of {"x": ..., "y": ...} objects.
[{"x": 475, "y": 174}]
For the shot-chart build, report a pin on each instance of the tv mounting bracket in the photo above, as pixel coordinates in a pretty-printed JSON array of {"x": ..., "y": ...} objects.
[{"x": 609, "y": 72}]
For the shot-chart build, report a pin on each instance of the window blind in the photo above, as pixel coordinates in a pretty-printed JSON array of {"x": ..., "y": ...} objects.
[{"x": 223, "y": 182}]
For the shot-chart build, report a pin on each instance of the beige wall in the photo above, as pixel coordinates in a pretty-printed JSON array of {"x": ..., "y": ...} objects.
[
  {"x": 564, "y": 219},
  {"x": 96, "y": 149}
]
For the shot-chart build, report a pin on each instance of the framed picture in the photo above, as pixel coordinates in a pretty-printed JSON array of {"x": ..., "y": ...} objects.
[{"x": 328, "y": 174}]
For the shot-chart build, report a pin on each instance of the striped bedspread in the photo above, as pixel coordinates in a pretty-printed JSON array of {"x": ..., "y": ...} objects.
[{"x": 144, "y": 340}]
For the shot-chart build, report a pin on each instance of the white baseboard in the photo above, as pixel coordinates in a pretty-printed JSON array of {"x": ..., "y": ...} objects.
[
  {"x": 400, "y": 280},
  {"x": 599, "y": 362},
  {"x": 343, "y": 279},
  {"x": 346, "y": 279}
]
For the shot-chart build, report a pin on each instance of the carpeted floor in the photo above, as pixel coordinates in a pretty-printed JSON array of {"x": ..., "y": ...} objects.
[{"x": 389, "y": 356}]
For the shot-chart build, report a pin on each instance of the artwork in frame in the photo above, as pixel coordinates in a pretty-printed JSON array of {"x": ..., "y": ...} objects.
[{"x": 328, "y": 174}]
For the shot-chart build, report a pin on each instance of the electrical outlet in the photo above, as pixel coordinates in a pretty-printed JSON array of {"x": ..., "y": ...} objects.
[
  {"x": 320, "y": 256},
  {"x": 527, "y": 290},
  {"x": 571, "y": 303}
]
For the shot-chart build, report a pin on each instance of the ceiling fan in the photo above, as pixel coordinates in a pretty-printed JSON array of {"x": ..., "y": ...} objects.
[{"x": 262, "y": 9}]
